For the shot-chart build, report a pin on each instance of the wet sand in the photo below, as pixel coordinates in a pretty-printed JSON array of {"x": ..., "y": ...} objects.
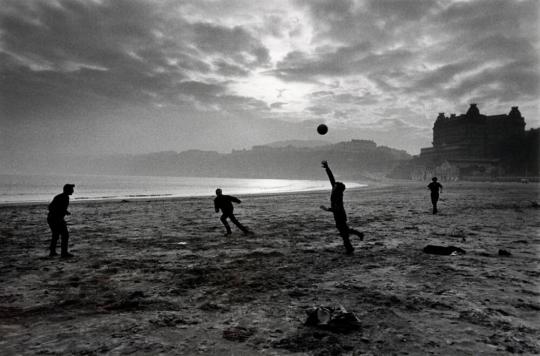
[{"x": 158, "y": 276}]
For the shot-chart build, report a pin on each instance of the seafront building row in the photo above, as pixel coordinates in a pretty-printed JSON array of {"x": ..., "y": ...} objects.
[{"x": 474, "y": 146}]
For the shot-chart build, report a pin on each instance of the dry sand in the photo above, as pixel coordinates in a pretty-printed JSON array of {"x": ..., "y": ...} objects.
[{"x": 158, "y": 277}]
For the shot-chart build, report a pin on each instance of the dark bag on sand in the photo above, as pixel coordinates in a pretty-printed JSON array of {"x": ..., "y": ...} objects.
[
  {"x": 336, "y": 319},
  {"x": 443, "y": 250}
]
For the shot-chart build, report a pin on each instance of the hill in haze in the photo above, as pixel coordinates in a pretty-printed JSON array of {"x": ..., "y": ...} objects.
[
  {"x": 356, "y": 159},
  {"x": 298, "y": 143}
]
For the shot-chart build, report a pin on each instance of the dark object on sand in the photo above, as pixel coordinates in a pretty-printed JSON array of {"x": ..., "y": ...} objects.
[
  {"x": 336, "y": 319},
  {"x": 443, "y": 250},
  {"x": 504, "y": 253},
  {"x": 238, "y": 333}
]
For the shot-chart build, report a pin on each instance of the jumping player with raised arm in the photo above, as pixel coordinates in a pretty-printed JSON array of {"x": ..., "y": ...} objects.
[{"x": 336, "y": 207}]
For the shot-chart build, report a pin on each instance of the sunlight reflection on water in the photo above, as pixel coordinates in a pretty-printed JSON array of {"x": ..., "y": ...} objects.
[{"x": 41, "y": 188}]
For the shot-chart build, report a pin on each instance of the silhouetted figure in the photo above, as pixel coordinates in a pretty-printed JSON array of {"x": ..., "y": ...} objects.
[
  {"x": 434, "y": 186},
  {"x": 224, "y": 203},
  {"x": 55, "y": 219},
  {"x": 336, "y": 207}
]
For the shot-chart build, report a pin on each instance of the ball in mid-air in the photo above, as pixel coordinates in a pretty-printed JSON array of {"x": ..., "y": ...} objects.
[{"x": 322, "y": 129}]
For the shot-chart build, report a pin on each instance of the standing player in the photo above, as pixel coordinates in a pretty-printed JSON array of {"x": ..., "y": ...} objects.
[
  {"x": 336, "y": 207},
  {"x": 55, "y": 219},
  {"x": 434, "y": 186}
]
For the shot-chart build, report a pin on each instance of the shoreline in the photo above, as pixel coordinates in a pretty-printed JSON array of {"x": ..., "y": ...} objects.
[
  {"x": 362, "y": 186},
  {"x": 151, "y": 197}
]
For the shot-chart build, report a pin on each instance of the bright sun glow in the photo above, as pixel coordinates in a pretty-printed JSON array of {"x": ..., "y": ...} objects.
[{"x": 272, "y": 90}]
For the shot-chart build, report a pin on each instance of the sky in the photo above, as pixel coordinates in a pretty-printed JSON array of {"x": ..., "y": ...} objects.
[{"x": 93, "y": 77}]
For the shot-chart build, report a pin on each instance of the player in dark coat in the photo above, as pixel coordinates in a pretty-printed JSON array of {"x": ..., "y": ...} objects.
[
  {"x": 434, "y": 186},
  {"x": 336, "y": 207},
  {"x": 224, "y": 203},
  {"x": 57, "y": 211}
]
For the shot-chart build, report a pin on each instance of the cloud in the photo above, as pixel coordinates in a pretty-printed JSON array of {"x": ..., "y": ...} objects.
[
  {"x": 230, "y": 70},
  {"x": 199, "y": 89},
  {"x": 64, "y": 48},
  {"x": 319, "y": 110},
  {"x": 490, "y": 16},
  {"x": 235, "y": 43},
  {"x": 277, "y": 105},
  {"x": 345, "y": 60},
  {"x": 403, "y": 10},
  {"x": 508, "y": 82}
]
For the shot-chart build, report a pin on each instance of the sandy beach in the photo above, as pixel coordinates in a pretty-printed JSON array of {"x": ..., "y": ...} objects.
[{"x": 158, "y": 276}]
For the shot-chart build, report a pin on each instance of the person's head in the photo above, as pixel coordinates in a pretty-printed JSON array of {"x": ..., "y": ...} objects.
[
  {"x": 68, "y": 188},
  {"x": 340, "y": 187},
  {"x": 219, "y": 192},
  {"x": 434, "y": 179}
]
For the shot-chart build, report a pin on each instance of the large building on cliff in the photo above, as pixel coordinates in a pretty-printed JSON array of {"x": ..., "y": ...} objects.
[
  {"x": 473, "y": 135},
  {"x": 473, "y": 145}
]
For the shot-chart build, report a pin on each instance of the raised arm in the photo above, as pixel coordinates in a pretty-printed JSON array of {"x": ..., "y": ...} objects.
[
  {"x": 329, "y": 173},
  {"x": 236, "y": 200}
]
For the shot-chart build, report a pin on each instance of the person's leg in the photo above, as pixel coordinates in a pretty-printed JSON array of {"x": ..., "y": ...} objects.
[
  {"x": 224, "y": 221},
  {"x": 237, "y": 223},
  {"x": 54, "y": 240},
  {"x": 344, "y": 233},
  {"x": 434, "y": 199},
  {"x": 64, "y": 235}
]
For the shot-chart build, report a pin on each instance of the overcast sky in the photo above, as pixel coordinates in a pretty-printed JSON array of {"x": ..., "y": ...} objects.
[{"x": 132, "y": 76}]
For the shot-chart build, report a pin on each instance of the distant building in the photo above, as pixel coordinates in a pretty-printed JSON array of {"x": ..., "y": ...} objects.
[
  {"x": 356, "y": 145},
  {"x": 473, "y": 135},
  {"x": 473, "y": 145}
]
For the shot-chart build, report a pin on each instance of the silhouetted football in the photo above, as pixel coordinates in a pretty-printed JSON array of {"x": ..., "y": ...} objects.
[{"x": 322, "y": 129}]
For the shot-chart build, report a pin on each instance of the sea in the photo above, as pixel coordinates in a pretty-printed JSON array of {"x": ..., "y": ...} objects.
[{"x": 20, "y": 188}]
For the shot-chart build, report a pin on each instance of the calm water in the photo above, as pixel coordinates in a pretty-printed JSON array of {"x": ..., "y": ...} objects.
[{"x": 42, "y": 188}]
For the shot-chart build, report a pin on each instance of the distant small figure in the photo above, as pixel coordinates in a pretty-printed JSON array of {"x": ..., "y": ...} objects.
[
  {"x": 224, "y": 202},
  {"x": 336, "y": 207},
  {"x": 55, "y": 219},
  {"x": 435, "y": 187}
]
